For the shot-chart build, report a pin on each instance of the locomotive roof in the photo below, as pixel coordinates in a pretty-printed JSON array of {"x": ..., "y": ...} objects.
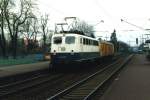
[
  {"x": 78, "y": 32},
  {"x": 72, "y": 34}
]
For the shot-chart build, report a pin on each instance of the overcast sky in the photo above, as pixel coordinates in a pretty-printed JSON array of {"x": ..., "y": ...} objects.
[{"x": 111, "y": 11}]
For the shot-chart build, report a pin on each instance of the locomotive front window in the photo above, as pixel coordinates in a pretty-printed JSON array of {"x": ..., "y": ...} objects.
[
  {"x": 70, "y": 40},
  {"x": 57, "y": 40}
]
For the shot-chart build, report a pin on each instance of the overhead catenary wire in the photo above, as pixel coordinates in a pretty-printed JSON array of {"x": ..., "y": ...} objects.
[
  {"x": 105, "y": 12},
  {"x": 103, "y": 9},
  {"x": 139, "y": 27},
  {"x": 101, "y": 21}
]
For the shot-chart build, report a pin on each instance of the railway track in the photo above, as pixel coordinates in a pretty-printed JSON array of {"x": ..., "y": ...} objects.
[
  {"x": 21, "y": 85},
  {"x": 86, "y": 88},
  {"x": 34, "y": 82},
  {"x": 22, "y": 76}
]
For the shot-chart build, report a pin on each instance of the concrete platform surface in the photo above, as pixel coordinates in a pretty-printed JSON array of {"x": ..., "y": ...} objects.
[
  {"x": 133, "y": 83},
  {"x": 23, "y": 68}
]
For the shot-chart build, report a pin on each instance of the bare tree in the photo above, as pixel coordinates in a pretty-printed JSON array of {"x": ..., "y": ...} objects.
[
  {"x": 2, "y": 27},
  {"x": 31, "y": 29},
  {"x": 35, "y": 27},
  {"x": 44, "y": 23},
  {"x": 15, "y": 20},
  {"x": 27, "y": 32}
]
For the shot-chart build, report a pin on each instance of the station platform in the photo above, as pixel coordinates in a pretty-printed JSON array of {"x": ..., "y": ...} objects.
[
  {"x": 133, "y": 82},
  {"x": 23, "y": 68}
]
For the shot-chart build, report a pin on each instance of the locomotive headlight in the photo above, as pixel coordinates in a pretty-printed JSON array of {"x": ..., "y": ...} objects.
[
  {"x": 54, "y": 52},
  {"x": 72, "y": 52}
]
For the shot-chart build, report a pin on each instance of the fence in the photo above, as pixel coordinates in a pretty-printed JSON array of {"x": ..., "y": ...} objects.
[{"x": 21, "y": 60}]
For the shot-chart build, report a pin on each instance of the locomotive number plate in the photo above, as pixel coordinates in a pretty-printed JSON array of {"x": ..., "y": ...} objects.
[{"x": 63, "y": 48}]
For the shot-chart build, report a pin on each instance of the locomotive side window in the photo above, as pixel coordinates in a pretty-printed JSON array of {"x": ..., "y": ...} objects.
[
  {"x": 81, "y": 41},
  {"x": 95, "y": 42},
  {"x": 84, "y": 41},
  {"x": 91, "y": 42},
  {"x": 57, "y": 40},
  {"x": 88, "y": 42},
  {"x": 70, "y": 40}
]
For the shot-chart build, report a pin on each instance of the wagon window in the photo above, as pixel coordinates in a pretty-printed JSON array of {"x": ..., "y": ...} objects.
[
  {"x": 70, "y": 40},
  {"x": 57, "y": 40}
]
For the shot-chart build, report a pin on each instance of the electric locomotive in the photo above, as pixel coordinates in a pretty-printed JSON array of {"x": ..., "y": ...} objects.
[{"x": 73, "y": 48}]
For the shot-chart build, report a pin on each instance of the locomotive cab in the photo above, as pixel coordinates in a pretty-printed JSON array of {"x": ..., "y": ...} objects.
[
  {"x": 64, "y": 48},
  {"x": 64, "y": 44}
]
